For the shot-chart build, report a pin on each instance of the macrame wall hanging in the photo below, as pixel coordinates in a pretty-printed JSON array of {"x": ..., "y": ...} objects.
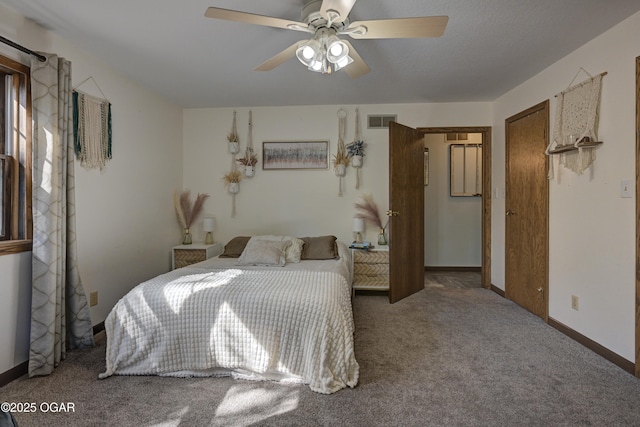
[
  {"x": 91, "y": 128},
  {"x": 233, "y": 178},
  {"x": 355, "y": 150},
  {"x": 341, "y": 158},
  {"x": 575, "y": 130},
  {"x": 249, "y": 160}
]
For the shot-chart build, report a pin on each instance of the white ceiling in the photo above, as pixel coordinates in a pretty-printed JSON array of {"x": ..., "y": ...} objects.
[{"x": 489, "y": 47}]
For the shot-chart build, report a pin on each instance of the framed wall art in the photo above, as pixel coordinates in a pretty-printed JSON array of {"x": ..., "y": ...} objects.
[{"x": 280, "y": 155}]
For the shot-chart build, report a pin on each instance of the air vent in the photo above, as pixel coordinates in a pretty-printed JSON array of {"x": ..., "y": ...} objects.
[{"x": 380, "y": 121}]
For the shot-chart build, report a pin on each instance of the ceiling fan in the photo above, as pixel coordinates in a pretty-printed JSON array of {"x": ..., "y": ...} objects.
[{"x": 326, "y": 20}]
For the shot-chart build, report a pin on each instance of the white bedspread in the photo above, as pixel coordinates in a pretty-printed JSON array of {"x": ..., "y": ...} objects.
[{"x": 217, "y": 319}]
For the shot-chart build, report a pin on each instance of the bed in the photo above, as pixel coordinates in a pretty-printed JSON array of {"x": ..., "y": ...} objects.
[{"x": 269, "y": 308}]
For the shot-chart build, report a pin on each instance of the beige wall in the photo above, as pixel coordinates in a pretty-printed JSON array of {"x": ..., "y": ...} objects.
[
  {"x": 125, "y": 221},
  {"x": 300, "y": 202},
  {"x": 592, "y": 229}
]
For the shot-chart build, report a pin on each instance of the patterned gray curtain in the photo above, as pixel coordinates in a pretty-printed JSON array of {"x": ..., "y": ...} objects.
[{"x": 60, "y": 317}]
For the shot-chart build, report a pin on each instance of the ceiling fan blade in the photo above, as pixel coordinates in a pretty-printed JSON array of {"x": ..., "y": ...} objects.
[
  {"x": 251, "y": 18},
  {"x": 278, "y": 59},
  {"x": 342, "y": 7},
  {"x": 358, "y": 67},
  {"x": 399, "y": 28}
]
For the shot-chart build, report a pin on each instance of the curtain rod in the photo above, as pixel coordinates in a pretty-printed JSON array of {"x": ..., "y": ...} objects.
[{"x": 22, "y": 48}]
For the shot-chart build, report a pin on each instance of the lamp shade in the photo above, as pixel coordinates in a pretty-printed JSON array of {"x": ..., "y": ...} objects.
[
  {"x": 209, "y": 224},
  {"x": 357, "y": 225}
]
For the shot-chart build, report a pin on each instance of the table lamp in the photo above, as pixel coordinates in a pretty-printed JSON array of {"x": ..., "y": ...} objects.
[
  {"x": 209, "y": 225},
  {"x": 357, "y": 226}
]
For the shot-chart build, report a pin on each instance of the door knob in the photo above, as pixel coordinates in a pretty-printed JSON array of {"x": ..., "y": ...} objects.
[
  {"x": 392, "y": 213},
  {"x": 510, "y": 212}
]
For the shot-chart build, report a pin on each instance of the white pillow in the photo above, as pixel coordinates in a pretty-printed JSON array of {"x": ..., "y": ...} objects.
[
  {"x": 294, "y": 251},
  {"x": 264, "y": 252}
]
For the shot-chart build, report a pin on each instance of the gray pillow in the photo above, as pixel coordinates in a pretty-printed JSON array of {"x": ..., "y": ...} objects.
[
  {"x": 234, "y": 248},
  {"x": 318, "y": 248}
]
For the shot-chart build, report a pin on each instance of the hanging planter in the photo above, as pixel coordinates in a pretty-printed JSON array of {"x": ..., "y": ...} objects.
[
  {"x": 341, "y": 159},
  {"x": 232, "y": 137},
  {"x": 355, "y": 150},
  {"x": 234, "y": 147},
  {"x": 340, "y": 162},
  {"x": 232, "y": 182},
  {"x": 249, "y": 161}
]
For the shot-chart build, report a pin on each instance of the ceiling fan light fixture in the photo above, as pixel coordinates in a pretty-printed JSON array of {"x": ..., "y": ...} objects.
[
  {"x": 307, "y": 51},
  {"x": 342, "y": 63},
  {"x": 336, "y": 49},
  {"x": 317, "y": 63}
]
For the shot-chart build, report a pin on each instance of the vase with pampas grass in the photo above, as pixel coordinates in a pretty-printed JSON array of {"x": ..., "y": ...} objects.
[
  {"x": 367, "y": 209},
  {"x": 187, "y": 211}
]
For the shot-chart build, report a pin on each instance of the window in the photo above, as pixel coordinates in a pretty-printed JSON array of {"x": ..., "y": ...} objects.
[{"x": 15, "y": 157}]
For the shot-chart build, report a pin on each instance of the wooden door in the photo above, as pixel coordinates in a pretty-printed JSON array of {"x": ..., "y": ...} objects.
[
  {"x": 406, "y": 205},
  {"x": 527, "y": 201}
]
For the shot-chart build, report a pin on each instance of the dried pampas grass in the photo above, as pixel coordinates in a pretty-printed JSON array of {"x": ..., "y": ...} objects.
[
  {"x": 367, "y": 209},
  {"x": 341, "y": 157},
  {"x": 234, "y": 176},
  {"x": 185, "y": 210}
]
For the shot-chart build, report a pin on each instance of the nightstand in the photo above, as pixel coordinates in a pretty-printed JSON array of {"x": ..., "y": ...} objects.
[
  {"x": 371, "y": 269},
  {"x": 184, "y": 255}
]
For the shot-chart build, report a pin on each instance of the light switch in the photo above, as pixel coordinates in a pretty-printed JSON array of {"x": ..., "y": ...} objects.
[{"x": 626, "y": 188}]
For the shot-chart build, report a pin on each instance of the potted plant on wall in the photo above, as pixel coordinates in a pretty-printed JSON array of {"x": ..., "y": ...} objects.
[
  {"x": 234, "y": 144},
  {"x": 355, "y": 151},
  {"x": 340, "y": 160},
  {"x": 232, "y": 137},
  {"x": 232, "y": 181},
  {"x": 249, "y": 161}
]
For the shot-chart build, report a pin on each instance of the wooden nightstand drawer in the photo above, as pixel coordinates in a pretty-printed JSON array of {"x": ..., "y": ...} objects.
[
  {"x": 363, "y": 281},
  {"x": 374, "y": 257},
  {"x": 367, "y": 269},
  {"x": 371, "y": 269},
  {"x": 185, "y": 255}
]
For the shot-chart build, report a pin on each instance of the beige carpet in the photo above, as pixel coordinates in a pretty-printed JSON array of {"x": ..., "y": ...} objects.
[{"x": 445, "y": 356}]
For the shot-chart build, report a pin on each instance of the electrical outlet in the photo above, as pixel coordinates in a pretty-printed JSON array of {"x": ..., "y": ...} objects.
[
  {"x": 575, "y": 302},
  {"x": 93, "y": 298}
]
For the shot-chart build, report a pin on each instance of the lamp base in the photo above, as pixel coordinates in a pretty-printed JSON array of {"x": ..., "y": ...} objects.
[{"x": 208, "y": 240}]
